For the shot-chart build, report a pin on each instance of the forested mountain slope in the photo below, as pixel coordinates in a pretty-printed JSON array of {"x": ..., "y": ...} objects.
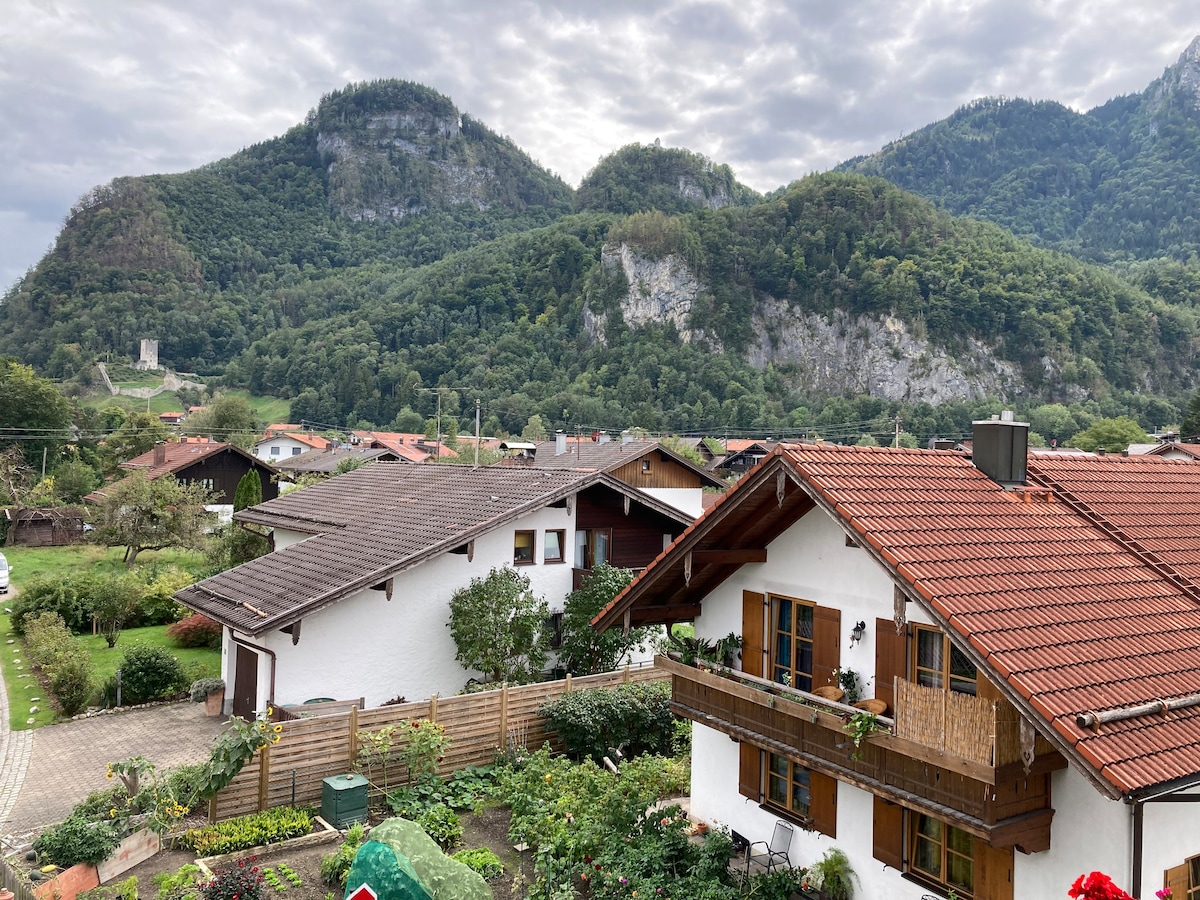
[
  {"x": 390, "y": 244},
  {"x": 1121, "y": 182}
]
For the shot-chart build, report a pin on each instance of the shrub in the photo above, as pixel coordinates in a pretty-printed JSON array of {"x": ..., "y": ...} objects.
[
  {"x": 441, "y": 823},
  {"x": 121, "y": 890},
  {"x": 157, "y": 605},
  {"x": 196, "y": 630},
  {"x": 481, "y": 860},
  {"x": 150, "y": 673},
  {"x": 636, "y": 716},
  {"x": 71, "y": 680},
  {"x": 59, "y": 595},
  {"x": 336, "y": 866},
  {"x": 240, "y": 882},
  {"x": 180, "y": 885},
  {"x": 46, "y": 636},
  {"x": 232, "y": 835},
  {"x": 76, "y": 840}
]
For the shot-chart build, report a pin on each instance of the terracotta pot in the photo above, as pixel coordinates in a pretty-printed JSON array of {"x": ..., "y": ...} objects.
[{"x": 214, "y": 703}]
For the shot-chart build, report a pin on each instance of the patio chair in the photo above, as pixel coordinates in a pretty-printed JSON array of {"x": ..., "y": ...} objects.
[{"x": 775, "y": 852}]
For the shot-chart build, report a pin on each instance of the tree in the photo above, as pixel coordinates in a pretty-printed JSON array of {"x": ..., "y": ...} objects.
[
  {"x": 534, "y": 430},
  {"x": 1114, "y": 435},
  {"x": 140, "y": 513},
  {"x": 226, "y": 418},
  {"x": 33, "y": 408},
  {"x": 239, "y": 543},
  {"x": 73, "y": 480},
  {"x": 138, "y": 435},
  {"x": 498, "y": 626},
  {"x": 1189, "y": 429},
  {"x": 584, "y": 650},
  {"x": 114, "y": 600}
]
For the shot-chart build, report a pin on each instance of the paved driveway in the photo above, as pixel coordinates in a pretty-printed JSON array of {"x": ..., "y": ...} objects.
[{"x": 66, "y": 761}]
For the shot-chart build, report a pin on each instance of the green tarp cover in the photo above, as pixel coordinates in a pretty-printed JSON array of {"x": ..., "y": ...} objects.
[
  {"x": 446, "y": 878},
  {"x": 387, "y": 873}
]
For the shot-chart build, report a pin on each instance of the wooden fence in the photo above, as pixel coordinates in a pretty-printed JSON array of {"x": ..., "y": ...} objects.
[
  {"x": 13, "y": 881},
  {"x": 478, "y": 725}
]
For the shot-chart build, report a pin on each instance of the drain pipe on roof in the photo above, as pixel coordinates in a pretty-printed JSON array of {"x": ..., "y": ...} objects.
[{"x": 271, "y": 653}]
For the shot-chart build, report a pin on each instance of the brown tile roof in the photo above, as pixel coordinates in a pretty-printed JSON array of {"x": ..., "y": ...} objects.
[
  {"x": 1081, "y": 594},
  {"x": 327, "y": 460},
  {"x": 372, "y": 523},
  {"x": 1192, "y": 450},
  {"x": 176, "y": 456},
  {"x": 413, "y": 447},
  {"x": 592, "y": 456}
]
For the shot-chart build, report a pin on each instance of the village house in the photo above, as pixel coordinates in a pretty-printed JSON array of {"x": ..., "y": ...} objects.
[
  {"x": 283, "y": 441},
  {"x": 648, "y": 465},
  {"x": 354, "y": 600},
  {"x": 1025, "y": 636}
]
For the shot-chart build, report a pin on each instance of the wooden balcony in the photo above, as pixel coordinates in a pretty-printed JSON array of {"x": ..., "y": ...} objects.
[{"x": 927, "y": 757}]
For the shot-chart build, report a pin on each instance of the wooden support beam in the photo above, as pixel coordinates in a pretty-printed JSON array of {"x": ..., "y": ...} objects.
[
  {"x": 728, "y": 557},
  {"x": 296, "y": 632}
]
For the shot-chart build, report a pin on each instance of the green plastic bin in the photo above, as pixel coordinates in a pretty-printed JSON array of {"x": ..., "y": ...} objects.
[{"x": 344, "y": 800}]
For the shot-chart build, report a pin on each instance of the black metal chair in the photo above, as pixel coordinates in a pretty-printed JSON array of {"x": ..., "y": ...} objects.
[{"x": 774, "y": 852}]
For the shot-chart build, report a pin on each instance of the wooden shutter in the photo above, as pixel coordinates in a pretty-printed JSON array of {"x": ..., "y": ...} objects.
[
  {"x": 891, "y": 652},
  {"x": 750, "y": 772},
  {"x": 887, "y": 827},
  {"x": 827, "y": 639},
  {"x": 993, "y": 872},
  {"x": 752, "y": 632},
  {"x": 822, "y": 803},
  {"x": 1176, "y": 878}
]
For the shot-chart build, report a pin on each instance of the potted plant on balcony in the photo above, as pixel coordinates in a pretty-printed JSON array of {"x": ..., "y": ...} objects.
[{"x": 210, "y": 691}]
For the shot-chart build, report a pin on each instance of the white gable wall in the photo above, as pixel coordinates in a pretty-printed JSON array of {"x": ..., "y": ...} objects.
[
  {"x": 686, "y": 500},
  {"x": 281, "y": 442},
  {"x": 811, "y": 561},
  {"x": 367, "y": 646}
]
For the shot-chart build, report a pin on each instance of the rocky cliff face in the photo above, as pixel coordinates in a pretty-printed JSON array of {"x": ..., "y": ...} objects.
[{"x": 842, "y": 354}]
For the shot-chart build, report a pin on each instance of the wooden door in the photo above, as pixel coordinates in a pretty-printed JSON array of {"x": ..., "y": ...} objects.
[{"x": 245, "y": 682}]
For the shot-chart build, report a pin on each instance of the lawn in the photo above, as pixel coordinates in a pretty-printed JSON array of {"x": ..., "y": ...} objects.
[{"x": 64, "y": 562}]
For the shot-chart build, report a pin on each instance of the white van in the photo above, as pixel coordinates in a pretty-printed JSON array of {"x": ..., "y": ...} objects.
[{"x": 3, "y": 574}]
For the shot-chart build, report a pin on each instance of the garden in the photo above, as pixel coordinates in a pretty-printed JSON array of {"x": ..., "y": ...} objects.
[
  {"x": 79, "y": 616},
  {"x": 590, "y": 822}
]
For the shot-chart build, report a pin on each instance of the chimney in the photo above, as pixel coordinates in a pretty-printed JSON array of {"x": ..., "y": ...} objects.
[
  {"x": 605, "y": 437},
  {"x": 1000, "y": 448},
  {"x": 560, "y": 443},
  {"x": 626, "y": 437},
  {"x": 160, "y": 453}
]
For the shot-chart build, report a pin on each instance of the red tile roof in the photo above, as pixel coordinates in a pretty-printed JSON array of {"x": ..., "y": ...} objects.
[
  {"x": 1081, "y": 591},
  {"x": 175, "y": 456}
]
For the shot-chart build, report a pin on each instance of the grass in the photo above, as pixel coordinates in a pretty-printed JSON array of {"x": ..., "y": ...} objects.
[{"x": 63, "y": 562}]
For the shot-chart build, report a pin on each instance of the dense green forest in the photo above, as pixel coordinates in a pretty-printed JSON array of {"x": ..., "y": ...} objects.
[
  {"x": 1118, "y": 183},
  {"x": 391, "y": 251}
]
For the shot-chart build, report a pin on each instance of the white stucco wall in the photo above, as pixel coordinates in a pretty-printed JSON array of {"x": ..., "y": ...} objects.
[
  {"x": 285, "y": 444},
  {"x": 370, "y": 647},
  {"x": 811, "y": 561},
  {"x": 686, "y": 500}
]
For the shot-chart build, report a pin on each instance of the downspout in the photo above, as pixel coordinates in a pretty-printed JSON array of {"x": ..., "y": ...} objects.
[{"x": 271, "y": 653}]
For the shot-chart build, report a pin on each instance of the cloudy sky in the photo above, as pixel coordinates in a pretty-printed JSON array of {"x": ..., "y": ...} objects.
[{"x": 93, "y": 89}]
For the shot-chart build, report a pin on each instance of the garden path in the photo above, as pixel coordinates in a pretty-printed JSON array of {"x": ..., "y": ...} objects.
[{"x": 66, "y": 762}]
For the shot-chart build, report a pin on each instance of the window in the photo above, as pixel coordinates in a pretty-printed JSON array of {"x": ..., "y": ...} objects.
[
  {"x": 792, "y": 656},
  {"x": 788, "y": 785},
  {"x": 208, "y": 483},
  {"x": 1184, "y": 880},
  {"x": 274, "y": 451},
  {"x": 645, "y": 466},
  {"x": 523, "y": 547},
  {"x": 591, "y": 547},
  {"x": 939, "y": 664},
  {"x": 295, "y": 451},
  {"x": 941, "y": 854},
  {"x": 553, "y": 548}
]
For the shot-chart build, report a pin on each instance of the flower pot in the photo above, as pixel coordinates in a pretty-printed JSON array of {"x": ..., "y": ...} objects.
[{"x": 214, "y": 703}]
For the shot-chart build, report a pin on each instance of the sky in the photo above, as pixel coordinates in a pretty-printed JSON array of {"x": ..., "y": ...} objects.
[{"x": 95, "y": 89}]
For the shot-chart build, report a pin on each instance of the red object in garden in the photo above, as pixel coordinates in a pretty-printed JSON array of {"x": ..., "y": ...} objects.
[
  {"x": 363, "y": 892},
  {"x": 1096, "y": 886}
]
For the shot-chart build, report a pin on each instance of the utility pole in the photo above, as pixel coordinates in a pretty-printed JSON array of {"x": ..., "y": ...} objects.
[
  {"x": 896, "y": 440},
  {"x": 437, "y": 447},
  {"x": 477, "y": 432}
]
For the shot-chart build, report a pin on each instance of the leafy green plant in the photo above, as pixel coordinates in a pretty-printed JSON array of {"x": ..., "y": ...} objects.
[
  {"x": 482, "y": 860},
  {"x": 497, "y": 626},
  {"x": 336, "y": 866},
  {"x": 636, "y": 716},
  {"x": 182, "y": 884},
  {"x": 121, "y": 890},
  {"x": 859, "y": 726},
  {"x": 269, "y": 877},
  {"x": 234, "y": 748},
  {"x": 441, "y": 823},
  {"x": 77, "y": 840},
  {"x": 202, "y": 687},
  {"x": 290, "y": 874},
  {"x": 833, "y": 875},
  {"x": 265, "y": 827},
  {"x": 848, "y": 681}
]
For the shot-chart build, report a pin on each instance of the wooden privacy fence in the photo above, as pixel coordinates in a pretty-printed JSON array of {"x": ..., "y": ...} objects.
[
  {"x": 311, "y": 749},
  {"x": 12, "y": 881}
]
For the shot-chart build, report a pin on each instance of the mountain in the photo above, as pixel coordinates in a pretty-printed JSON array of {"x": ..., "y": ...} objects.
[
  {"x": 638, "y": 178},
  {"x": 1118, "y": 183},
  {"x": 390, "y": 243}
]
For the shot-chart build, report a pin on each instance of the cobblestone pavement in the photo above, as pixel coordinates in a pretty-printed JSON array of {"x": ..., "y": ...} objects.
[{"x": 54, "y": 767}]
